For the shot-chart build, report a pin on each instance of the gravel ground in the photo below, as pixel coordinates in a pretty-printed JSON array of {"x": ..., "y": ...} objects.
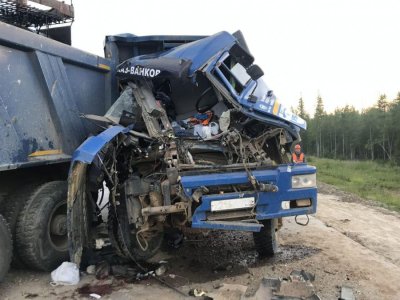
[{"x": 349, "y": 242}]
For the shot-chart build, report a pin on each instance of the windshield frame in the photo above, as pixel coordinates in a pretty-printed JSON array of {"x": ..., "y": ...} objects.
[
  {"x": 228, "y": 85},
  {"x": 257, "y": 108}
]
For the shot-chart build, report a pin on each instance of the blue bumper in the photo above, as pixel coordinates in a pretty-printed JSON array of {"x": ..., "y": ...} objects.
[{"x": 269, "y": 204}]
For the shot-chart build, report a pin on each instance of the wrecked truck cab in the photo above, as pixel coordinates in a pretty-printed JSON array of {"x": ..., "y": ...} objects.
[
  {"x": 217, "y": 63},
  {"x": 196, "y": 139}
]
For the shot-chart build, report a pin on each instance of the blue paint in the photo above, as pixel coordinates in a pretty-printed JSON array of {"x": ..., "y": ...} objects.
[
  {"x": 228, "y": 225},
  {"x": 89, "y": 149},
  {"x": 269, "y": 204},
  {"x": 197, "y": 52}
]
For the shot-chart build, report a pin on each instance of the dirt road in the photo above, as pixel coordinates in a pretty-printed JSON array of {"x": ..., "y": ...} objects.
[{"x": 348, "y": 242}]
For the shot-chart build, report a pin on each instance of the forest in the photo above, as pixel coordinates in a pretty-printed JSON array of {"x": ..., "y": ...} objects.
[{"x": 370, "y": 134}]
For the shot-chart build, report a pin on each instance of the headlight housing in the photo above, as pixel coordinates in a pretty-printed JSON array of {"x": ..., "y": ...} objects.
[{"x": 304, "y": 181}]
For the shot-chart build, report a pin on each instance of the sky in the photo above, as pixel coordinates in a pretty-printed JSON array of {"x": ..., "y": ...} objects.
[{"x": 348, "y": 51}]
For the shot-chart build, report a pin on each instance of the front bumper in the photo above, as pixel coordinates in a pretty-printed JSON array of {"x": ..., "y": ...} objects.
[{"x": 268, "y": 204}]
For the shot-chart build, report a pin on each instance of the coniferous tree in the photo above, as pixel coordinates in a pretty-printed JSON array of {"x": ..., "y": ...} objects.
[
  {"x": 318, "y": 116},
  {"x": 373, "y": 133},
  {"x": 301, "y": 111}
]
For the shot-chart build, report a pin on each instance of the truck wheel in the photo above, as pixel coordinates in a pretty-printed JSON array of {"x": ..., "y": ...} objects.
[
  {"x": 5, "y": 248},
  {"x": 11, "y": 207},
  {"x": 41, "y": 231},
  {"x": 123, "y": 237},
  {"x": 265, "y": 240}
]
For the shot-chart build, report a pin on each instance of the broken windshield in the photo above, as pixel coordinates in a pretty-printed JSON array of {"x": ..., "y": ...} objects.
[
  {"x": 239, "y": 72},
  {"x": 235, "y": 74}
]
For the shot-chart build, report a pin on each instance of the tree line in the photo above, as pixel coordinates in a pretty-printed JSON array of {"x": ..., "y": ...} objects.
[{"x": 370, "y": 134}]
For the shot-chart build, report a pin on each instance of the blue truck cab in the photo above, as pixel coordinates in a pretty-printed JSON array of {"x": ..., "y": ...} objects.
[{"x": 196, "y": 139}]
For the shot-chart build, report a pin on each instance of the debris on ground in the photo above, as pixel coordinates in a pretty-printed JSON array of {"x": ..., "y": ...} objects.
[
  {"x": 297, "y": 286},
  {"x": 123, "y": 271},
  {"x": 228, "y": 291},
  {"x": 66, "y": 274},
  {"x": 91, "y": 270},
  {"x": 197, "y": 293},
  {"x": 346, "y": 293},
  {"x": 301, "y": 276},
  {"x": 161, "y": 270},
  {"x": 102, "y": 270}
]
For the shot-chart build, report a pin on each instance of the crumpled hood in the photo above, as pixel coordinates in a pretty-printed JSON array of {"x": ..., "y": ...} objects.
[
  {"x": 273, "y": 107},
  {"x": 179, "y": 62},
  {"x": 267, "y": 103},
  {"x": 184, "y": 61}
]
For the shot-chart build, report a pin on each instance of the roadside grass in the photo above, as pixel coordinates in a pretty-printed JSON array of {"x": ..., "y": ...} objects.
[{"x": 370, "y": 180}]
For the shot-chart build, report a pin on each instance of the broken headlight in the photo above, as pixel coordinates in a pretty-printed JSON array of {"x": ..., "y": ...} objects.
[{"x": 304, "y": 181}]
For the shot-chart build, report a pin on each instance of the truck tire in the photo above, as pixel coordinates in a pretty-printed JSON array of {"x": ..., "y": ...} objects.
[
  {"x": 10, "y": 210},
  {"x": 265, "y": 240},
  {"x": 123, "y": 237},
  {"x": 41, "y": 231},
  {"x": 5, "y": 248}
]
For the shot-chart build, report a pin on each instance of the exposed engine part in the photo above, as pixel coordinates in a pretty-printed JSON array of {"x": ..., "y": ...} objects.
[
  {"x": 178, "y": 207},
  {"x": 151, "y": 112},
  {"x": 198, "y": 193},
  {"x": 155, "y": 202}
]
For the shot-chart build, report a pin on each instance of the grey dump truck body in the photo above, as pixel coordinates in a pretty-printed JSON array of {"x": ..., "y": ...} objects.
[{"x": 45, "y": 86}]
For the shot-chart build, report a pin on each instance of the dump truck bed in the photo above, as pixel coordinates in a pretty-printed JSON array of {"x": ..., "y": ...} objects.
[{"x": 45, "y": 86}]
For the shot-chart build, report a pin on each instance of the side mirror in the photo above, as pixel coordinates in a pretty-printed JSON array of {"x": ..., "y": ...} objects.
[
  {"x": 241, "y": 55},
  {"x": 255, "y": 72}
]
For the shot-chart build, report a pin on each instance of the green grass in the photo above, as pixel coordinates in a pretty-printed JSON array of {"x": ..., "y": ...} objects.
[{"x": 370, "y": 180}]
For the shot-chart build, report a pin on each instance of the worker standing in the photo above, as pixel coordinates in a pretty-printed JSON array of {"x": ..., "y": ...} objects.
[{"x": 298, "y": 156}]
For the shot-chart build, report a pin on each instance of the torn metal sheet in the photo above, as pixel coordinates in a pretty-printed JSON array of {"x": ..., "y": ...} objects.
[{"x": 346, "y": 293}]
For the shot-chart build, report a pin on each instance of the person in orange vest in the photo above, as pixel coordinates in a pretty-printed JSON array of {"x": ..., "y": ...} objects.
[{"x": 298, "y": 156}]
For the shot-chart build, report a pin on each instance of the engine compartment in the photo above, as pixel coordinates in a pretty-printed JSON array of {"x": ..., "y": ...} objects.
[{"x": 142, "y": 169}]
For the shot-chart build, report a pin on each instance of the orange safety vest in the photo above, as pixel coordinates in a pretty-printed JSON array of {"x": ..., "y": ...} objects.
[{"x": 298, "y": 159}]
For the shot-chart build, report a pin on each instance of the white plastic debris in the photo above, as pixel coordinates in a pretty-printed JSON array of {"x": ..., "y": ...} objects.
[
  {"x": 95, "y": 296},
  {"x": 203, "y": 132},
  {"x": 66, "y": 274},
  {"x": 225, "y": 120},
  {"x": 214, "y": 128},
  {"x": 161, "y": 270},
  {"x": 91, "y": 270}
]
